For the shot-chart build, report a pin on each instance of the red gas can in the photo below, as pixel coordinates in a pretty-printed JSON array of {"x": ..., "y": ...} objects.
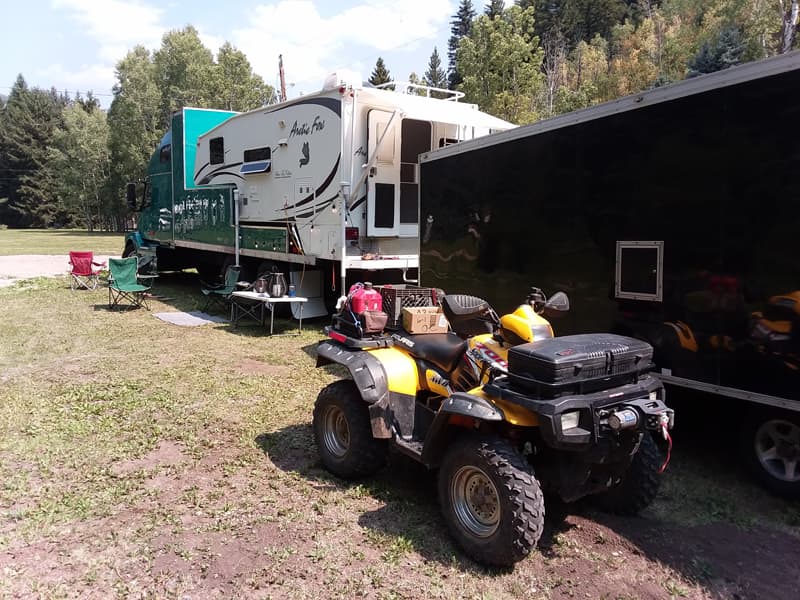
[{"x": 364, "y": 297}]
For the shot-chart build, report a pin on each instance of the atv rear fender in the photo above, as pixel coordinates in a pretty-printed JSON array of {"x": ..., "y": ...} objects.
[{"x": 387, "y": 380}]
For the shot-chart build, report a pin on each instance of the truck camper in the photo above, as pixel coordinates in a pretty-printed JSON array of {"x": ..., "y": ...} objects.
[{"x": 324, "y": 186}]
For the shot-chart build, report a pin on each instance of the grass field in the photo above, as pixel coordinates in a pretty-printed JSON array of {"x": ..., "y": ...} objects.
[
  {"x": 58, "y": 241},
  {"x": 142, "y": 459}
]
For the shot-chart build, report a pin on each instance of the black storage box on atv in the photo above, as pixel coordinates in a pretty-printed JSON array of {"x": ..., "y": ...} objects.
[{"x": 578, "y": 364}]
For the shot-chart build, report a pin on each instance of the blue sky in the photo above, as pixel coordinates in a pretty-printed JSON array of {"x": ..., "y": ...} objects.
[{"x": 74, "y": 44}]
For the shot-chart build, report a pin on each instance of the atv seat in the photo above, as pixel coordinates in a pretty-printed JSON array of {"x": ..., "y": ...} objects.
[
  {"x": 442, "y": 349},
  {"x": 469, "y": 315}
]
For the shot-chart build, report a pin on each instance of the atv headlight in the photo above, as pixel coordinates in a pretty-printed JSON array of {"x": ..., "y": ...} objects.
[{"x": 570, "y": 420}]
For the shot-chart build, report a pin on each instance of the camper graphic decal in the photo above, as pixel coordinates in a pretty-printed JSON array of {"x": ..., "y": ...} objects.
[{"x": 305, "y": 159}]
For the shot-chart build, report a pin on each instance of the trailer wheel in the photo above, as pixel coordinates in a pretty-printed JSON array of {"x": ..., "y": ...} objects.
[
  {"x": 343, "y": 434},
  {"x": 491, "y": 501},
  {"x": 638, "y": 486},
  {"x": 771, "y": 445}
]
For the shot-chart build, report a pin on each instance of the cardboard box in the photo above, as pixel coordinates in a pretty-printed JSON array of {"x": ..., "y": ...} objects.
[{"x": 424, "y": 319}]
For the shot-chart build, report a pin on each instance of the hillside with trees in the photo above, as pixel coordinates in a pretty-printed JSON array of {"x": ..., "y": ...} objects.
[{"x": 65, "y": 162}]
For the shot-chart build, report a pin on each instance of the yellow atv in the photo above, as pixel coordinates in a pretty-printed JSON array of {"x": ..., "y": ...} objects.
[{"x": 504, "y": 411}]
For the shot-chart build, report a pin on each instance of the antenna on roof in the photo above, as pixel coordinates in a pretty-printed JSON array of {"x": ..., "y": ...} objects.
[{"x": 282, "y": 77}]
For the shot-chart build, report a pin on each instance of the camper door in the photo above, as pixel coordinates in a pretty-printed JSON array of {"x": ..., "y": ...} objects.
[{"x": 383, "y": 184}]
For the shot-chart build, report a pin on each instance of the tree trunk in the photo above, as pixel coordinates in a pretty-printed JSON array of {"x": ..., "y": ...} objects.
[{"x": 789, "y": 26}]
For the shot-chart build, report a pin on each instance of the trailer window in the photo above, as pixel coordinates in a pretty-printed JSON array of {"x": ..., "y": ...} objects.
[
  {"x": 216, "y": 151},
  {"x": 639, "y": 270},
  {"x": 256, "y": 154},
  {"x": 384, "y": 205}
]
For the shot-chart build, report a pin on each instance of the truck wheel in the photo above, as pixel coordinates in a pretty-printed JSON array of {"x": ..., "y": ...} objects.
[
  {"x": 638, "y": 486},
  {"x": 491, "y": 501},
  {"x": 343, "y": 434},
  {"x": 771, "y": 445}
]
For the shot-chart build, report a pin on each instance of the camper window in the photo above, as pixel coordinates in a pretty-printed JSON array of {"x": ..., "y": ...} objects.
[
  {"x": 216, "y": 151},
  {"x": 639, "y": 270},
  {"x": 256, "y": 154}
]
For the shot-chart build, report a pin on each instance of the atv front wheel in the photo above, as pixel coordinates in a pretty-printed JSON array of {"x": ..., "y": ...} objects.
[
  {"x": 343, "y": 434},
  {"x": 638, "y": 486},
  {"x": 491, "y": 501}
]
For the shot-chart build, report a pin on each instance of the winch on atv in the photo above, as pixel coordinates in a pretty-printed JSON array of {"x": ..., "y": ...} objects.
[{"x": 503, "y": 410}]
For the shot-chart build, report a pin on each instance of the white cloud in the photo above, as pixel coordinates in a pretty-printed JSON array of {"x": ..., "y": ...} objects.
[
  {"x": 313, "y": 45},
  {"x": 116, "y": 25},
  {"x": 97, "y": 78}
]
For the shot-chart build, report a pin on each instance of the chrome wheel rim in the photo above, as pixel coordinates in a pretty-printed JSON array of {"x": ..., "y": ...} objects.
[
  {"x": 777, "y": 447},
  {"x": 336, "y": 435},
  {"x": 475, "y": 501}
]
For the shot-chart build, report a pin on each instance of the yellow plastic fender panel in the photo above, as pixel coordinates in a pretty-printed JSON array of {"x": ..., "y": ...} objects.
[
  {"x": 401, "y": 371},
  {"x": 515, "y": 414}
]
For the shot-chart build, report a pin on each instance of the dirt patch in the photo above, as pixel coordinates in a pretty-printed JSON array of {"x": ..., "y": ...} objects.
[
  {"x": 167, "y": 453},
  {"x": 253, "y": 366},
  {"x": 26, "y": 266}
]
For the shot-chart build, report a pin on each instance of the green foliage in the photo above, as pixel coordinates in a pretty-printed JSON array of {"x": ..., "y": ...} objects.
[
  {"x": 380, "y": 74},
  {"x": 494, "y": 9},
  {"x": 26, "y": 126},
  {"x": 723, "y": 52},
  {"x": 459, "y": 27},
  {"x": 435, "y": 75},
  {"x": 500, "y": 62},
  {"x": 79, "y": 158},
  {"x": 238, "y": 88}
]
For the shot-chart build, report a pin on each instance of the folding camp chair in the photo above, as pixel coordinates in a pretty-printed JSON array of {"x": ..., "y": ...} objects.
[
  {"x": 123, "y": 284},
  {"x": 220, "y": 294},
  {"x": 83, "y": 275}
]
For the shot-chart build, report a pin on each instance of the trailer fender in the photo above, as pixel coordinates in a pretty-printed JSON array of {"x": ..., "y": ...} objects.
[
  {"x": 391, "y": 398},
  {"x": 462, "y": 404}
]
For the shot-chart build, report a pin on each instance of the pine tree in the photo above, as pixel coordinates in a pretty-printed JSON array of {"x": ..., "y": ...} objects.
[
  {"x": 380, "y": 74},
  {"x": 459, "y": 27},
  {"x": 723, "y": 52},
  {"x": 435, "y": 75},
  {"x": 494, "y": 9}
]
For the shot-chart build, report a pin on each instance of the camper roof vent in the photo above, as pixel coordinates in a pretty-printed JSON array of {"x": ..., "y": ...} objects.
[{"x": 342, "y": 79}]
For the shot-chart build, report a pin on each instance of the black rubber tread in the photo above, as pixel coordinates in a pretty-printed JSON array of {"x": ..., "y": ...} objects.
[
  {"x": 522, "y": 503},
  {"x": 753, "y": 421},
  {"x": 365, "y": 454},
  {"x": 639, "y": 487}
]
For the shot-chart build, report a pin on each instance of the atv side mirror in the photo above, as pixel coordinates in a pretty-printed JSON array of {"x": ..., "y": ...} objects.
[
  {"x": 558, "y": 302},
  {"x": 130, "y": 195}
]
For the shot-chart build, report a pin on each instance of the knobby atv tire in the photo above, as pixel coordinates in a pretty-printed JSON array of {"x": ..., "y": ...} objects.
[
  {"x": 639, "y": 486},
  {"x": 476, "y": 469},
  {"x": 343, "y": 434}
]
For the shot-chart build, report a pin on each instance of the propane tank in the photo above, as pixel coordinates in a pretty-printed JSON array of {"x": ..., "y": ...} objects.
[{"x": 364, "y": 297}]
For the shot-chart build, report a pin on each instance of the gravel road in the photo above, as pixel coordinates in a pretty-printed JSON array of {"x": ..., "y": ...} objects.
[{"x": 25, "y": 266}]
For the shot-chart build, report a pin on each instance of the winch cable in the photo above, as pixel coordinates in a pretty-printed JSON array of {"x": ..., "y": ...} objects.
[{"x": 668, "y": 438}]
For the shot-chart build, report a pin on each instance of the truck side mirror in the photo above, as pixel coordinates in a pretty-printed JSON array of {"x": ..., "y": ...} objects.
[
  {"x": 556, "y": 304},
  {"x": 130, "y": 195}
]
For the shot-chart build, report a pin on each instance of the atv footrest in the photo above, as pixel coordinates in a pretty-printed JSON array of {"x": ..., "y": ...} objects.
[{"x": 412, "y": 448}]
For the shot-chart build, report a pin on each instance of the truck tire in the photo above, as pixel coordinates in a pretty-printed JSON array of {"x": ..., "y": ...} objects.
[
  {"x": 638, "y": 486},
  {"x": 771, "y": 448},
  {"x": 491, "y": 501},
  {"x": 343, "y": 434}
]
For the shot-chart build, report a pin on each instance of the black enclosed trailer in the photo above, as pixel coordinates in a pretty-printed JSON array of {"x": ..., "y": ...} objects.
[{"x": 672, "y": 215}]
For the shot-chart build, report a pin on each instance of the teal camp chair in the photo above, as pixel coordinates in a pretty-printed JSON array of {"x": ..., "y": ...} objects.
[
  {"x": 220, "y": 294},
  {"x": 123, "y": 284}
]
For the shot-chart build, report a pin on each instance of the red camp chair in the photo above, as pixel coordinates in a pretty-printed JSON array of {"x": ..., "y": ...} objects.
[{"x": 83, "y": 273}]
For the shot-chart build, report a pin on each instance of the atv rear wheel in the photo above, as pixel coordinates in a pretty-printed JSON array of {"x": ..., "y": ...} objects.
[
  {"x": 638, "y": 486},
  {"x": 343, "y": 434},
  {"x": 491, "y": 501}
]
